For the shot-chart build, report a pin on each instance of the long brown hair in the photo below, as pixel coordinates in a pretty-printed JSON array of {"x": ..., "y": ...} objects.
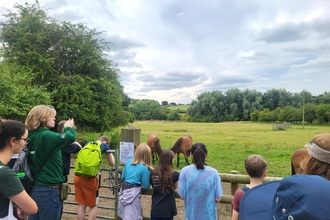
[{"x": 164, "y": 171}]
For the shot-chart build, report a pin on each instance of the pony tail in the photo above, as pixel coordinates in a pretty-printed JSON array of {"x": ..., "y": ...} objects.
[{"x": 199, "y": 158}]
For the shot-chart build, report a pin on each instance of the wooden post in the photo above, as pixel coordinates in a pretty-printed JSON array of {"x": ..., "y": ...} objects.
[
  {"x": 131, "y": 134},
  {"x": 233, "y": 186}
]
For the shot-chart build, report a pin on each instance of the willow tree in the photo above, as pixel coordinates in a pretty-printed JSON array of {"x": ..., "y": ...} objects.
[{"x": 70, "y": 61}]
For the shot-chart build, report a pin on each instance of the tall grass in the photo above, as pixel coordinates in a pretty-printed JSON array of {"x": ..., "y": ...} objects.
[{"x": 230, "y": 143}]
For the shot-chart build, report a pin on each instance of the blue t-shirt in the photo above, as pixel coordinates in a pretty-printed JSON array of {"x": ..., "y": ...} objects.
[
  {"x": 199, "y": 188},
  {"x": 136, "y": 174},
  {"x": 104, "y": 147}
]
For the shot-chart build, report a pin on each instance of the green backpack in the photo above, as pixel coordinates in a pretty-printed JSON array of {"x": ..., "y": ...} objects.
[{"x": 88, "y": 161}]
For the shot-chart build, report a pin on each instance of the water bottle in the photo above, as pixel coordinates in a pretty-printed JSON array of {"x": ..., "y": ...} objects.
[{"x": 21, "y": 175}]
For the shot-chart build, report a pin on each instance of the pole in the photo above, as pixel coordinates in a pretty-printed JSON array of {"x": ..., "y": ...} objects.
[{"x": 303, "y": 122}]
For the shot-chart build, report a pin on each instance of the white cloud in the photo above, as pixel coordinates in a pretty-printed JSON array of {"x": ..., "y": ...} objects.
[{"x": 173, "y": 50}]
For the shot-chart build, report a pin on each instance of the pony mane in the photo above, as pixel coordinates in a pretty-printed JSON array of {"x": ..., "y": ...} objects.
[
  {"x": 158, "y": 148},
  {"x": 177, "y": 145}
]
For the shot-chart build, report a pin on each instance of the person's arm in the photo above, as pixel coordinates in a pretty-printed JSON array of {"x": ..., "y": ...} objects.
[
  {"x": 175, "y": 178},
  {"x": 181, "y": 185},
  {"x": 25, "y": 202},
  {"x": 111, "y": 159},
  {"x": 235, "y": 215},
  {"x": 145, "y": 182},
  {"x": 72, "y": 148},
  {"x": 218, "y": 189}
]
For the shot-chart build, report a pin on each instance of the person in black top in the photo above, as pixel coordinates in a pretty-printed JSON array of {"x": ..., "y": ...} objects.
[
  {"x": 70, "y": 149},
  {"x": 164, "y": 181}
]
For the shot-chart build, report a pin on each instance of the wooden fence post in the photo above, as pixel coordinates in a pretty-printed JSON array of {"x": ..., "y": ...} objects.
[{"x": 131, "y": 134}]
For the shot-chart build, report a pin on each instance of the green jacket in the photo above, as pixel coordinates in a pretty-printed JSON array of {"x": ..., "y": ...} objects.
[{"x": 44, "y": 144}]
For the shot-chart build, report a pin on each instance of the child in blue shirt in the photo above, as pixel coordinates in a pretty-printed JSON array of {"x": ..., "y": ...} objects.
[
  {"x": 200, "y": 187},
  {"x": 136, "y": 174}
]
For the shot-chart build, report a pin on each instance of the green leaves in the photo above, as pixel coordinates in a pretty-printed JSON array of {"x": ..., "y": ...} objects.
[{"x": 67, "y": 64}]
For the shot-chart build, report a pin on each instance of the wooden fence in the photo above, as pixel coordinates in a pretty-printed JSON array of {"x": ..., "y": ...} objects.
[
  {"x": 283, "y": 126},
  {"x": 233, "y": 178}
]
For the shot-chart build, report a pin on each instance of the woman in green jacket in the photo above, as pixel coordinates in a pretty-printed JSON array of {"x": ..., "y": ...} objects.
[{"x": 45, "y": 153}]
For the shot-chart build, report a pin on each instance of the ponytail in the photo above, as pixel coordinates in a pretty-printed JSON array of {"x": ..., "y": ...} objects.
[{"x": 199, "y": 153}]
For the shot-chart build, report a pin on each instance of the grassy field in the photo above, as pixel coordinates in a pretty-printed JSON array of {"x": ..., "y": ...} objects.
[
  {"x": 229, "y": 143},
  {"x": 179, "y": 107}
]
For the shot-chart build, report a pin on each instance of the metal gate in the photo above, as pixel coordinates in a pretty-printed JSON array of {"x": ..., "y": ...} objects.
[{"x": 108, "y": 193}]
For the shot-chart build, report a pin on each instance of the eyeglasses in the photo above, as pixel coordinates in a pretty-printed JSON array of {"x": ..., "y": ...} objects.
[{"x": 25, "y": 139}]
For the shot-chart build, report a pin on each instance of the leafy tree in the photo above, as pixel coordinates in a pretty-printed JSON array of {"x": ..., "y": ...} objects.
[
  {"x": 255, "y": 115},
  {"x": 266, "y": 115},
  {"x": 323, "y": 98},
  {"x": 174, "y": 116},
  {"x": 17, "y": 92},
  {"x": 145, "y": 109},
  {"x": 71, "y": 61},
  {"x": 164, "y": 102},
  {"x": 323, "y": 113},
  {"x": 310, "y": 112}
]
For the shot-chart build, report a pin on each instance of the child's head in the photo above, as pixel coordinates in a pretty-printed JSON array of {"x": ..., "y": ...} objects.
[
  {"x": 163, "y": 171},
  {"x": 166, "y": 158},
  {"x": 142, "y": 155},
  {"x": 319, "y": 149},
  {"x": 11, "y": 129},
  {"x": 199, "y": 152},
  {"x": 255, "y": 166},
  {"x": 104, "y": 139},
  {"x": 38, "y": 116}
]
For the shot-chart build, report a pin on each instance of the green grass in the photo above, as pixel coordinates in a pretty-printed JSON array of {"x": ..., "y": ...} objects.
[
  {"x": 230, "y": 143},
  {"x": 180, "y": 107}
]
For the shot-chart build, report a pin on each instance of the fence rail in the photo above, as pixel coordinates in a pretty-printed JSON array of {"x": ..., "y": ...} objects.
[
  {"x": 283, "y": 126},
  {"x": 233, "y": 178}
]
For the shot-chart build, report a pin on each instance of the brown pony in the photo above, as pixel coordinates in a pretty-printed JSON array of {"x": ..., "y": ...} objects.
[
  {"x": 182, "y": 145},
  {"x": 154, "y": 144},
  {"x": 299, "y": 160}
]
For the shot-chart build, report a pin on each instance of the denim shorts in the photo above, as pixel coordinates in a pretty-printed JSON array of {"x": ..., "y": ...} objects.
[{"x": 48, "y": 201}]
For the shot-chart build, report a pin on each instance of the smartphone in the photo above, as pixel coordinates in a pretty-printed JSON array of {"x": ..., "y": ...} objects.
[{"x": 70, "y": 114}]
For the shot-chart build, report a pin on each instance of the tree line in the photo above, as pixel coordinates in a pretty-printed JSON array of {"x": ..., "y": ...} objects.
[
  {"x": 273, "y": 105},
  {"x": 45, "y": 61},
  {"x": 237, "y": 105}
]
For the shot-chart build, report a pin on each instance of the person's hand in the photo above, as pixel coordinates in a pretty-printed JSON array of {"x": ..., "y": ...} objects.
[
  {"x": 77, "y": 143},
  {"x": 21, "y": 214},
  {"x": 69, "y": 123}
]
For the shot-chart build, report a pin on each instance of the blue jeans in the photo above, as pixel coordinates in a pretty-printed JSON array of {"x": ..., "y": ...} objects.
[{"x": 48, "y": 201}]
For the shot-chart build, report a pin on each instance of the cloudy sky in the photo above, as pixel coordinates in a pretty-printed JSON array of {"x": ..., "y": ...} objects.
[{"x": 173, "y": 50}]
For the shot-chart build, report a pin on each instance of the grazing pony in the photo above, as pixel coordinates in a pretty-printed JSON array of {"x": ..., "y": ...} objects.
[
  {"x": 182, "y": 145},
  {"x": 299, "y": 160},
  {"x": 154, "y": 144}
]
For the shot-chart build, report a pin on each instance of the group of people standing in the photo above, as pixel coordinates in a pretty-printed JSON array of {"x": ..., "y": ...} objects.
[
  {"x": 198, "y": 184},
  {"x": 300, "y": 196},
  {"x": 45, "y": 149}
]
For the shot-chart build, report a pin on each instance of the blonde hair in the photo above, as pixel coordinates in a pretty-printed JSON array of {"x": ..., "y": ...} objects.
[
  {"x": 142, "y": 155},
  {"x": 38, "y": 115}
]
